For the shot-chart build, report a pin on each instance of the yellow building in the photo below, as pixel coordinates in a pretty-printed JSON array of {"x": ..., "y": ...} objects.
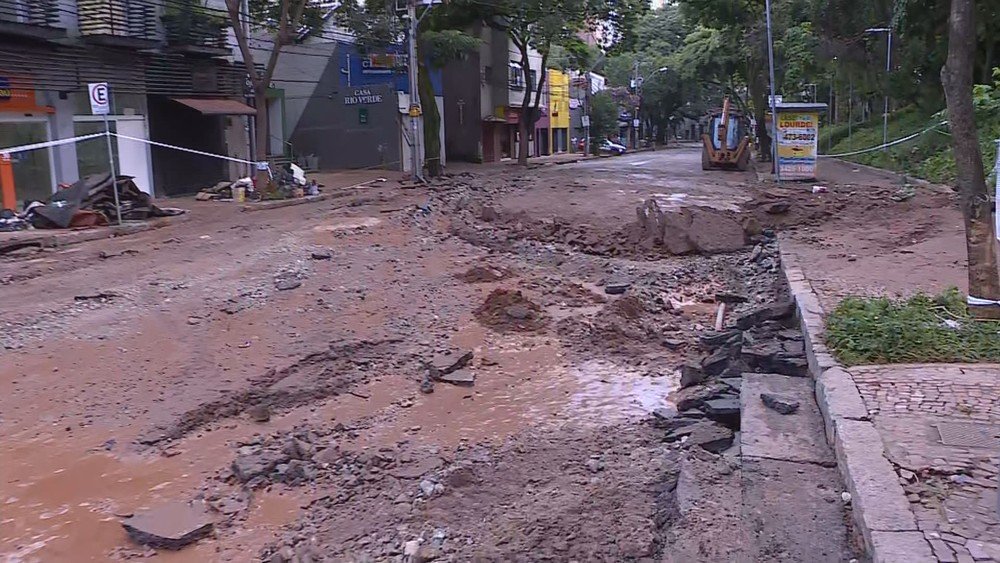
[{"x": 558, "y": 111}]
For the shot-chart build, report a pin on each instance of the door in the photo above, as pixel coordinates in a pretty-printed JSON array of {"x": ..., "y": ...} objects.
[{"x": 133, "y": 156}]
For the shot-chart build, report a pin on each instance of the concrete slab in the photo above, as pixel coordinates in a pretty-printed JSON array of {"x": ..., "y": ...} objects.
[
  {"x": 793, "y": 512},
  {"x": 766, "y": 433}
]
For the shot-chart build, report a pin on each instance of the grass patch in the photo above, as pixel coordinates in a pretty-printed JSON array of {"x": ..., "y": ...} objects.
[{"x": 919, "y": 329}]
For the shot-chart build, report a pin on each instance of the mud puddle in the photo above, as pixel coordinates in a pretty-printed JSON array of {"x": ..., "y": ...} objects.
[{"x": 522, "y": 382}]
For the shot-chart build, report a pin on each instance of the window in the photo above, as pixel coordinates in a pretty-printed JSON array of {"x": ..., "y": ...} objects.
[
  {"x": 532, "y": 79},
  {"x": 487, "y": 75},
  {"x": 516, "y": 76}
]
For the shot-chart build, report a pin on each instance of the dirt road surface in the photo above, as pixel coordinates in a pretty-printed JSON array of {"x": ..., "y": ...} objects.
[{"x": 274, "y": 367}]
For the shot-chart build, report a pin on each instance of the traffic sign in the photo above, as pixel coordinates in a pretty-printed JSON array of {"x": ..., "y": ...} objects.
[{"x": 100, "y": 98}]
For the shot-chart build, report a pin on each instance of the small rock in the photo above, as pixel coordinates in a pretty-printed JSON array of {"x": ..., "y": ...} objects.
[
  {"x": 286, "y": 284},
  {"x": 845, "y": 496},
  {"x": 907, "y": 475},
  {"x": 193, "y": 320},
  {"x": 411, "y": 548},
  {"x": 427, "y": 487},
  {"x": 260, "y": 413},
  {"x": 672, "y": 343},
  {"x": 171, "y": 526},
  {"x": 692, "y": 374},
  {"x": 595, "y": 465},
  {"x": 616, "y": 287},
  {"x": 777, "y": 208},
  {"x": 518, "y": 311},
  {"x": 783, "y": 405},
  {"x": 321, "y": 255},
  {"x": 427, "y": 386}
]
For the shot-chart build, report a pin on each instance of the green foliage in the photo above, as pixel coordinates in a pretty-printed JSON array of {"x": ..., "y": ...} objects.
[
  {"x": 603, "y": 115},
  {"x": 881, "y": 330},
  {"x": 268, "y": 14},
  {"x": 928, "y": 156}
]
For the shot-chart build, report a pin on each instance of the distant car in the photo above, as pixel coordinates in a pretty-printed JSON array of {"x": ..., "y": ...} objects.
[{"x": 612, "y": 148}]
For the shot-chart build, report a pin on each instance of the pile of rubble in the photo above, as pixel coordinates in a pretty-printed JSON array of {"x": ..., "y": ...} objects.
[{"x": 765, "y": 340}]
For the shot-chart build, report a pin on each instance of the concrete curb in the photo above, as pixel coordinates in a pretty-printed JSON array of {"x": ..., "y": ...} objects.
[
  {"x": 879, "y": 505},
  {"x": 50, "y": 239}
]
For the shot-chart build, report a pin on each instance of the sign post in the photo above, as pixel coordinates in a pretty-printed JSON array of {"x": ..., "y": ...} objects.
[
  {"x": 100, "y": 104},
  {"x": 797, "y": 125}
]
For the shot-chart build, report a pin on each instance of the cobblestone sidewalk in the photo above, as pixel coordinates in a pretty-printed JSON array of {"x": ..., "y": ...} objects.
[{"x": 940, "y": 426}]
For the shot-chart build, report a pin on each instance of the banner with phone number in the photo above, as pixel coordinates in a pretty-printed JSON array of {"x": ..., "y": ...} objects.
[{"x": 797, "y": 145}]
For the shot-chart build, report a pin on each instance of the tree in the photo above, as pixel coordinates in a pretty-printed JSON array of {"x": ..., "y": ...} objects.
[
  {"x": 956, "y": 76},
  {"x": 540, "y": 26},
  {"x": 287, "y": 21},
  {"x": 603, "y": 117}
]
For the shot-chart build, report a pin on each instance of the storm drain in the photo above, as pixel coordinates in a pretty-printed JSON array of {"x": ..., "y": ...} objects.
[{"x": 969, "y": 435}]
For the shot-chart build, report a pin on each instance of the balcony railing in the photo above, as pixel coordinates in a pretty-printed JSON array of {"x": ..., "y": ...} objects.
[
  {"x": 130, "y": 23},
  {"x": 194, "y": 29},
  {"x": 31, "y": 18}
]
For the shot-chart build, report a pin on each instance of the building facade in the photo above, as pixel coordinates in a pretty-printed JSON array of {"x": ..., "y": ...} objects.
[
  {"x": 559, "y": 112},
  {"x": 160, "y": 60},
  {"x": 333, "y": 106},
  {"x": 483, "y": 94}
]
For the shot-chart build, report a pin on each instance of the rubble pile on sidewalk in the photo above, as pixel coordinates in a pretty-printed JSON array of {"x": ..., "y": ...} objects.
[{"x": 91, "y": 202}]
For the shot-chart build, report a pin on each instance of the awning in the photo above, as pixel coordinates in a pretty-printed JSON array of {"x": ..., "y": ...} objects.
[{"x": 208, "y": 106}]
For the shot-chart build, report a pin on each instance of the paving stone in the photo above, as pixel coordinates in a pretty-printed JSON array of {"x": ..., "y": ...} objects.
[{"x": 943, "y": 553}]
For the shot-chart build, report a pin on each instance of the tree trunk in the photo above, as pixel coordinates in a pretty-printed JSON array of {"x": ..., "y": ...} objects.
[
  {"x": 261, "y": 180},
  {"x": 524, "y": 125},
  {"x": 956, "y": 76},
  {"x": 432, "y": 122}
]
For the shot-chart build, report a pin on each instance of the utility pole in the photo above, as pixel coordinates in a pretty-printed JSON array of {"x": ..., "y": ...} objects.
[
  {"x": 415, "y": 111},
  {"x": 586, "y": 116},
  {"x": 637, "y": 86},
  {"x": 774, "y": 99}
]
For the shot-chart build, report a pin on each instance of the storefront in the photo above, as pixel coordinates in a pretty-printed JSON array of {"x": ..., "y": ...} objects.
[{"x": 25, "y": 121}]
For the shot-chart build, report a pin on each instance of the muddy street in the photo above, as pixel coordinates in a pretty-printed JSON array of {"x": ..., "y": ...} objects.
[{"x": 504, "y": 365}]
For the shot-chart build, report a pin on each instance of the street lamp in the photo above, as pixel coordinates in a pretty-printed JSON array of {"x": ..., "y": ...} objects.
[
  {"x": 638, "y": 92},
  {"x": 888, "y": 63}
]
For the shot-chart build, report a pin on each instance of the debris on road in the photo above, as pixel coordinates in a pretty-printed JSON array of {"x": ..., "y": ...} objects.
[
  {"x": 506, "y": 309},
  {"x": 616, "y": 287},
  {"x": 783, "y": 405},
  {"x": 171, "y": 526}
]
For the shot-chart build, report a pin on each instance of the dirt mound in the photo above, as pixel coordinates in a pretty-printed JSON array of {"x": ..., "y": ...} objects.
[
  {"x": 484, "y": 274},
  {"x": 506, "y": 309},
  {"x": 628, "y": 307}
]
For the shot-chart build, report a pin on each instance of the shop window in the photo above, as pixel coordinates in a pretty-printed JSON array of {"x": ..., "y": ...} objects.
[
  {"x": 32, "y": 169},
  {"x": 92, "y": 155}
]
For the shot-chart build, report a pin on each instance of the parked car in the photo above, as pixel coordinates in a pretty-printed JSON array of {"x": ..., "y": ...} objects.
[{"x": 612, "y": 148}]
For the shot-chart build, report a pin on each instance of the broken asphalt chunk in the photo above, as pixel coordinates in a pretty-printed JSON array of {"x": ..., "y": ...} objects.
[
  {"x": 616, "y": 287},
  {"x": 783, "y": 405},
  {"x": 171, "y": 526}
]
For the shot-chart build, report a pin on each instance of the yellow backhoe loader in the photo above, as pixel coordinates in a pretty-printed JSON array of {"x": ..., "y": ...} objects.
[{"x": 726, "y": 144}]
